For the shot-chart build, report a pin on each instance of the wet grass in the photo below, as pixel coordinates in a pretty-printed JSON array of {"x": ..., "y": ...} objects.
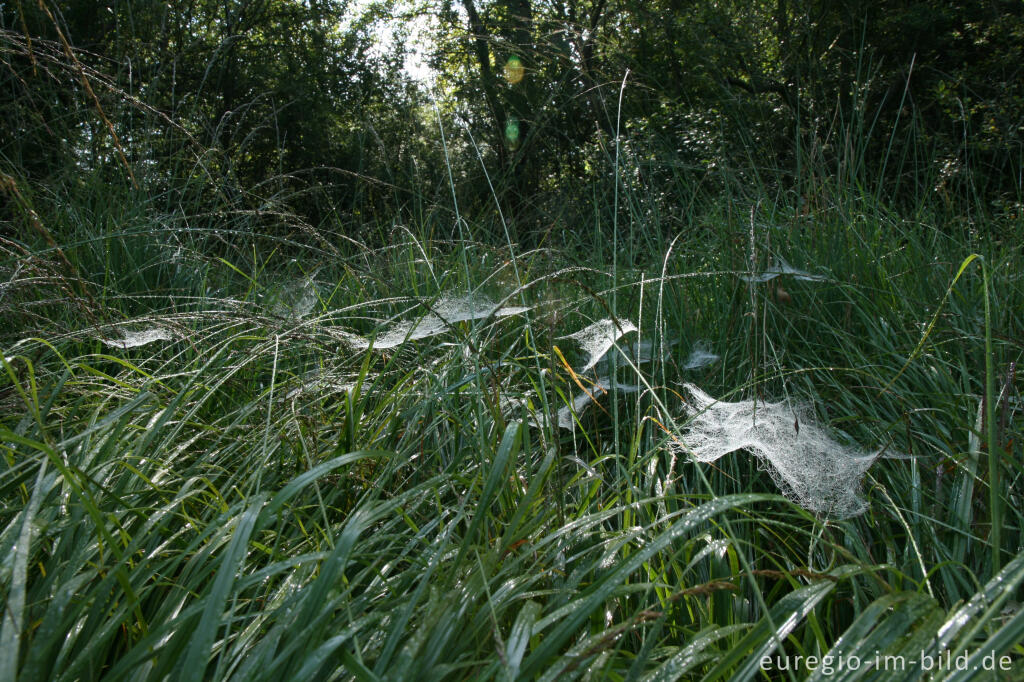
[{"x": 265, "y": 494}]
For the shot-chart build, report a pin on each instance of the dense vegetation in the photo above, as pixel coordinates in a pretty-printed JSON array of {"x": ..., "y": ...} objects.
[{"x": 293, "y": 382}]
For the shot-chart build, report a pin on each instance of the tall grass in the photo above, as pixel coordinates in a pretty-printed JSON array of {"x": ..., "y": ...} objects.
[{"x": 260, "y": 498}]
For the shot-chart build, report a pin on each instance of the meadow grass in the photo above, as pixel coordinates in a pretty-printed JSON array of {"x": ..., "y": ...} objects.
[{"x": 261, "y": 496}]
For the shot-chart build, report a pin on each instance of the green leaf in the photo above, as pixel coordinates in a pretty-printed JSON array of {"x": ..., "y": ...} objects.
[
  {"x": 197, "y": 656},
  {"x": 14, "y": 607}
]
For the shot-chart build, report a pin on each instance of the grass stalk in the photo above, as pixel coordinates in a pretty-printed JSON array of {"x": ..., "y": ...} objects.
[{"x": 994, "y": 459}]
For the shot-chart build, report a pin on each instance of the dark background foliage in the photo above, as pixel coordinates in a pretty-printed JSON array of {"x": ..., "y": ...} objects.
[{"x": 302, "y": 104}]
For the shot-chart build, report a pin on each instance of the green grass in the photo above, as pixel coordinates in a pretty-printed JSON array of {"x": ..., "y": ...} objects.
[{"x": 258, "y": 499}]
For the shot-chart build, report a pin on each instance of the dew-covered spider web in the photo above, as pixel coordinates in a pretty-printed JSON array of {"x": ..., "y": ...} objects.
[
  {"x": 804, "y": 460},
  {"x": 778, "y": 269},
  {"x": 700, "y": 356},
  {"x": 134, "y": 339},
  {"x": 447, "y": 311},
  {"x": 597, "y": 339},
  {"x": 581, "y": 401}
]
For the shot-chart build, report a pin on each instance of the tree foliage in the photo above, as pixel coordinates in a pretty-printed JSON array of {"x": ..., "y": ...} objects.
[
  {"x": 303, "y": 100},
  {"x": 270, "y": 94},
  {"x": 903, "y": 94}
]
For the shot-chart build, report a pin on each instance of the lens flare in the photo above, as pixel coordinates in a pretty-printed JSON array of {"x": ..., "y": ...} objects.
[
  {"x": 514, "y": 70},
  {"x": 512, "y": 131}
]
